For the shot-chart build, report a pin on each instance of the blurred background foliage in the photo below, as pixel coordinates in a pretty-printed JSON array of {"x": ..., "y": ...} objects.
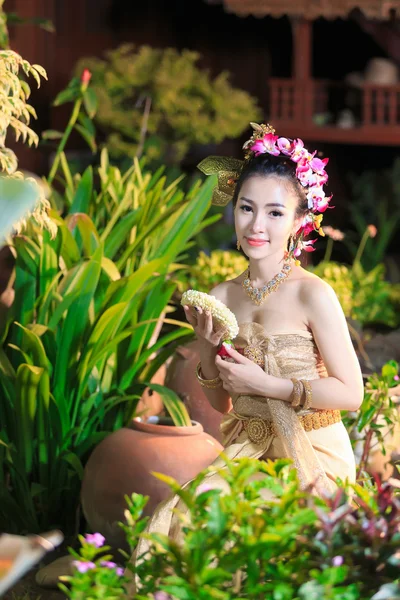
[{"x": 158, "y": 102}]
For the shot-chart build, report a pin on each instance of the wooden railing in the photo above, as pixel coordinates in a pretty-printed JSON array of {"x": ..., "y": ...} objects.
[
  {"x": 381, "y": 105},
  {"x": 307, "y": 103}
]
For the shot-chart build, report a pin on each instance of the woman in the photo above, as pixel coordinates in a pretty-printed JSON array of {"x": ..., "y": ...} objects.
[{"x": 297, "y": 367}]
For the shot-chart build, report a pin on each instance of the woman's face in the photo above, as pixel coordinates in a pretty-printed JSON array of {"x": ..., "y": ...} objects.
[{"x": 265, "y": 210}]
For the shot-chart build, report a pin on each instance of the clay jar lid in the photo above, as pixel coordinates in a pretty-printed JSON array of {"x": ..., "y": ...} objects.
[{"x": 165, "y": 426}]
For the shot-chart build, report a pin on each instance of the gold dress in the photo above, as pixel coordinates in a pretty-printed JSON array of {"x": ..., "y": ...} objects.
[{"x": 262, "y": 428}]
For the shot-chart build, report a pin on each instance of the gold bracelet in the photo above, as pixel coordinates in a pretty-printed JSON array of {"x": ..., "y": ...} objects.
[
  {"x": 307, "y": 388},
  {"x": 212, "y": 384},
  {"x": 295, "y": 396}
]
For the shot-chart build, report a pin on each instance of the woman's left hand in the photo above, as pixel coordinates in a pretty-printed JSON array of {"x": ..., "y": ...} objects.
[{"x": 243, "y": 376}]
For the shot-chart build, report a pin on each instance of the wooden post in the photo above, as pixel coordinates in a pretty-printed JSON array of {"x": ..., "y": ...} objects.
[{"x": 302, "y": 68}]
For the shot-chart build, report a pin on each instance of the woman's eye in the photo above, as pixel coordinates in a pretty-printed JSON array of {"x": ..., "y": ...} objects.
[
  {"x": 244, "y": 206},
  {"x": 275, "y": 213}
]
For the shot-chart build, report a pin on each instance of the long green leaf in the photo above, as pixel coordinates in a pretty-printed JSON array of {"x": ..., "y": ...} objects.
[
  {"x": 49, "y": 260},
  {"x": 84, "y": 232},
  {"x": 75, "y": 322},
  {"x": 130, "y": 373},
  {"x": 174, "y": 405},
  {"x": 125, "y": 288},
  {"x": 117, "y": 237},
  {"x": 27, "y": 391},
  {"x": 185, "y": 222},
  {"x": 83, "y": 194}
]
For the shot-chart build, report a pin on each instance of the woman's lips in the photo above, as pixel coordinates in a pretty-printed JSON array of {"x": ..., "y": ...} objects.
[{"x": 256, "y": 243}]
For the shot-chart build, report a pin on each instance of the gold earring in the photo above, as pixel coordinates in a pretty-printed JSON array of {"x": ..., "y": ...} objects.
[{"x": 238, "y": 245}]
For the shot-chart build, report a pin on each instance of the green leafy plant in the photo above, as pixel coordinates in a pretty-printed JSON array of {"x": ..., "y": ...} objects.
[
  {"x": 263, "y": 538},
  {"x": 77, "y": 345},
  {"x": 375, "y": 199},
  {"x": 88, "y": 329},
  {"x": 364, "y": 296},
  {"x": 209, "y": 271},
  {"x": 158, "y": 101},
  {"x": 84, "y": 110},
  {"x": 15, "y": 114},
  {"x": 377, "y": 414}
]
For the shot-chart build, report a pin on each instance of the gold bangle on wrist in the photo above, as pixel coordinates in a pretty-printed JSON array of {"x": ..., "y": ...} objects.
[
  {"x": 207, "y": 383},
  {"x": 295, "y": 396},
  {"x": 308, "y": 391}
]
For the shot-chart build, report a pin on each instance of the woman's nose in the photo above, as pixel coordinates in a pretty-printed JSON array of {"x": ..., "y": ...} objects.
[{"x": 258, "y": 225}]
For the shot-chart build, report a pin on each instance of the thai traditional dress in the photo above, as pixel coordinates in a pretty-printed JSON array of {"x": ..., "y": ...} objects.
[{"x": 259, "y": 427}]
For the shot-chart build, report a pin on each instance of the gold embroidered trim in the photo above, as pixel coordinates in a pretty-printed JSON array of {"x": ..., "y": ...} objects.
[
  {"x": 255, "y": 354},
  {"x": 259, "y": 429}
]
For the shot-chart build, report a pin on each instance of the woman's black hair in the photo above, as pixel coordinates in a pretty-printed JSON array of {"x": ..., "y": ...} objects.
[{"x": 267, "y": 165}]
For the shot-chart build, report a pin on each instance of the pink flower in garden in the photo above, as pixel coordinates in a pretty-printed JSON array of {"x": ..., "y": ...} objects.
[
  {"x": 108, "y": 563},
  {"x": 203, "y": 488},
  {"x": 112, "y": 565},
  {"x": 337, "y": 561},
  {"x": 266, "y": 144},
  {"x": 83, "y": 566},
  {"x": 334, "y": 234},
  {"x": 96, "y": 539},
  {"x": 396, "y": 378},
  {"x": 162, "y": 596},
  {"x": 372, "y": 230},
  {"x": 285, "y": 146},
  {"x": 86, "y": 76}
]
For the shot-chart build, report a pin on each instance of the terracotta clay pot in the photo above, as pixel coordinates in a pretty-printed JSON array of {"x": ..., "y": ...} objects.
[
  {"x": 181, "y": 377},
  {"x": 151, "y": 403},
  {"x": 122, "y": 464}
]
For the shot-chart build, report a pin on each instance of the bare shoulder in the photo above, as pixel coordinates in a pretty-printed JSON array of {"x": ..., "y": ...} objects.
[
  {"x": 316, "y": 294},
  {"x": 220, "y": 291},
  {"x": 223, "y": 291}
]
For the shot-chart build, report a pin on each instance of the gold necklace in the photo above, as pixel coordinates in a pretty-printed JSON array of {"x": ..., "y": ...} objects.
[{"x": 258, "y": 295}]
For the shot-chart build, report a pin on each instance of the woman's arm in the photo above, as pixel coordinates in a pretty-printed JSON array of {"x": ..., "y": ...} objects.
[
  {"x": 343, "y": 388},
  {"x": 219, "y": 398}
]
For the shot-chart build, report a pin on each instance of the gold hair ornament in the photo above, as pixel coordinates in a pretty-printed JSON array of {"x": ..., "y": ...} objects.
[{"x": 228, "y": 170}]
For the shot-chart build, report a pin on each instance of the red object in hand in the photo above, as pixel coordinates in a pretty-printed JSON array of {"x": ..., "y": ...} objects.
[{"x": 222, "y": 352}]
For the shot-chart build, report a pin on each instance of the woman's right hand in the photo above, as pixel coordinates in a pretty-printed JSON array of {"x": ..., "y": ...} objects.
[{"x": 208, "y": 332}]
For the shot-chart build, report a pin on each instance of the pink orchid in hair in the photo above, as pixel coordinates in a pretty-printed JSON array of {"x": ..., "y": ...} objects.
[
  {"x": 311, "y": 222},
  {"x": 285, "y": 146},
  {"x": 266, "y": 144},
  {"x": 304, "y": 173},
  {"x": 323, "y": 204},
  {"x": 318, "y": 164},
  {"x": 317, "y": 201},
  {"x": 307, "y": 246},
  {"x": 310, "y": 172},
  {"x": 318, "y": 179},
  {"x": 299, "y": 151}
]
